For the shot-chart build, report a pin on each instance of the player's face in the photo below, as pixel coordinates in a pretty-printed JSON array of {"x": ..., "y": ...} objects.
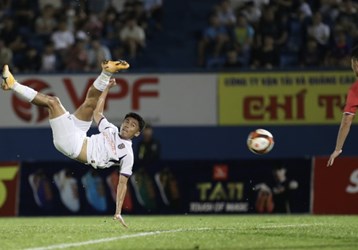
[
  {"x": 129, "y": 128},
  {"x": 354, "y": 65}
]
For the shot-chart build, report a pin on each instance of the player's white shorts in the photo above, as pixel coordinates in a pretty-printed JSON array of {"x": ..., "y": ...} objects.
[{"x": 68, "y": 134}]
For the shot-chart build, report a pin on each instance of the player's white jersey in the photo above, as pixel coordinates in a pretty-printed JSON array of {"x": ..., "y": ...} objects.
[{"x": 107, "y": 148}]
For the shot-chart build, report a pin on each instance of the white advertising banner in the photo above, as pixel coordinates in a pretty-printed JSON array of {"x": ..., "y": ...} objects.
[{"x": 162, "y": 99}]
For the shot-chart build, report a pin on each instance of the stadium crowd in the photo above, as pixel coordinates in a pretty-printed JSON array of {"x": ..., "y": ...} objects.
[
  {"x": 73, "y": 35},
  {"x": 279, "y": 33},
  {"x": 76, "y": 35}
]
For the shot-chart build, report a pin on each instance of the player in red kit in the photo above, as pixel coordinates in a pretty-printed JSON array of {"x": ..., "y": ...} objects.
[{"x": 349, "y": 110}]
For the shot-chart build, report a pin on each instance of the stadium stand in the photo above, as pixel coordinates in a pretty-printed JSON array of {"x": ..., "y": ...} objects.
[{"x": 60, "y": 34}]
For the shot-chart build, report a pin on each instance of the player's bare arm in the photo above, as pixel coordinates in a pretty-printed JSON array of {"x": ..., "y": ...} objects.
[
  {"x": 121, "y": 193},
  {"x": 344, "y": 128}
]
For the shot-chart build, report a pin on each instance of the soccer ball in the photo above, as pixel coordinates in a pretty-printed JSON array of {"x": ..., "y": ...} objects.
[{"x": 260, "y": 141}]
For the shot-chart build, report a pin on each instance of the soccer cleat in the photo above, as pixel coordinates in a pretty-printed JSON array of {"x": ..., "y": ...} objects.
[
  {"x": 8, "y": 79},
  {"x": 114, "y": 66}
]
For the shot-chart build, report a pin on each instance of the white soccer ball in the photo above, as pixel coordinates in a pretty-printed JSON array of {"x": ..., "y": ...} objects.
[{"x": 260, "y": 141}]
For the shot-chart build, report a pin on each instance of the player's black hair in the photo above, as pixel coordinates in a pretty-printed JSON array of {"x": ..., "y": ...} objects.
[
  {"x": 140, "y": 120},
  {"x": 354, "y": 53}
]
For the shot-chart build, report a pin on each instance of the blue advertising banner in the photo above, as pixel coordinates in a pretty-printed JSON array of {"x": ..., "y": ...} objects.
[
  {"x": 168, "y": 187},
  {"x": 245, "y": 186},
  {"x": 68, "y": 188}
]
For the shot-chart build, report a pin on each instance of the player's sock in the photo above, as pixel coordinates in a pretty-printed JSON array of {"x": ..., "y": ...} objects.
[
  {"x": 102, "y": 80},
  {"x": 25, "y": 92}
]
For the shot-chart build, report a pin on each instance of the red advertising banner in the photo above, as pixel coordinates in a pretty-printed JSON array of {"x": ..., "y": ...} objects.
[
  {"x": 8, "y": 188},
  {"x": 336, "y": 187}
]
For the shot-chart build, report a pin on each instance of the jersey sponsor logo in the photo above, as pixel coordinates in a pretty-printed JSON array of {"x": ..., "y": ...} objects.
[{"x": 121, "y": 146}]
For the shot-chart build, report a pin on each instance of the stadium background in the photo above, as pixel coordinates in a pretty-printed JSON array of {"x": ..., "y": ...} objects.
[{"x": 201, "y": 115}]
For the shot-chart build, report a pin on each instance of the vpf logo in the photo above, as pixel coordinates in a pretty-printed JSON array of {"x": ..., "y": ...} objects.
[{"x": 25, "y": 110}]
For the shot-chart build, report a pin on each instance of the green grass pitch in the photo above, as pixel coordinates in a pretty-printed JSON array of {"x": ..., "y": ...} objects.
[{"x": 181, "y": 232}]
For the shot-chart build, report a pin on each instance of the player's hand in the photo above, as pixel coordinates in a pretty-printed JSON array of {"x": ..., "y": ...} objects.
[
  {"x": 120, "y": 219},
  {"x": 333, "y": 156},
  {"x": 112, "y": 83}
]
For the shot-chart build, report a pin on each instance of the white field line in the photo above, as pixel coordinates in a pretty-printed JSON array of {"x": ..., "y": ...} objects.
[
  {"x": 287, "y": 226},
  {"x": 91, "y": 242},
  {"x": 128, "y": 236}
]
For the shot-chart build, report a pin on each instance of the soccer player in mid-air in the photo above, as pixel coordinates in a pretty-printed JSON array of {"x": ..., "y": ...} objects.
[
  {"x": 349, "y": 110},
  {"x": 109, "y": 147}
]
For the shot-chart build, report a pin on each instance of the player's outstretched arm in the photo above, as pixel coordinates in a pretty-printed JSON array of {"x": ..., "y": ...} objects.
[
  {"x": 121, "y": 193},
  {"x": 344, "y": 128},
  {"x": 98, "y": 112}
]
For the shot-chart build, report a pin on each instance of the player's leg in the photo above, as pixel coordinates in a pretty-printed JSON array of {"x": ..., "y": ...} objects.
[
  {"x": 85, "y": 111},
  {"x": 66, "y": 137},
  {"x": 53, "y": 104}
]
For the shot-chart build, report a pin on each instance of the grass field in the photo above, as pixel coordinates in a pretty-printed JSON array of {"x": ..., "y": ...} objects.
[{"x": 181, "y": 232}]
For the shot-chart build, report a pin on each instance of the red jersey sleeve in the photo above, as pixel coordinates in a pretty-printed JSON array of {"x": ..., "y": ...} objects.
[{"x": 352, "y": 99}]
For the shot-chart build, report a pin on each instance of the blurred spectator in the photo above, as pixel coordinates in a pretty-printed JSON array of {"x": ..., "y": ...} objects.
[
  {"x": 76, "y": 58},
  {"x": 283, "y": 6},
  {"x": 329, "y": 9},
  {"x": 310, "y": 55},
  {"x": 348, "y": 11},
  {"x": 4, "y": 5},
  {"x": 32, "y": 24},
  {"x": 97, "y": 52},
  {"x": 301, "y": 10},
  {"x": 320, "y": 32},
  {"x": 154, "y": 9},
  {"x": 31, "y": 61},
  {"x": 252, "y": 13},
  {"x": 133, "y": 37},
  {"x": 140, "y": 15},
  {"x": 9, "y": 31},
  {"x": 266, "y": 56},
  {"x": 97, "y": 6},
  {"x": 338, "y": 55},
  {"x": 214, "y": 38},
  {"x": 269, "y": 26},
  {"x": 80, "y": 33},
  {"x": 110, "y": 29},
  {"x": 24, "y": 14},
  {"x": 231, "y": 59},
  {"x": 148, "y": 148},
  {"x": 93, "y": 25},
  {"x": 243, "y": 35},
  {"x": 118, "y": 5},
  {"x": 62, "y": 39},
  {"x": 5, "y": 54},
  {"x": 48, "y": 59},
  {"x": 56, "y": 4},
  {"x": 348, "y": 19},
  {"x": 148, "y": 156},
  {"x": 18, "y": 48},
  {"x": 274, "y": 196},
  {"x": 46, "y": 23},
  {"x": 226, "y": 13}
]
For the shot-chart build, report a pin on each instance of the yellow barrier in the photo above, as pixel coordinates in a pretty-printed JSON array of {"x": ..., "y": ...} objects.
[{"x": 284, "y": 98}]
